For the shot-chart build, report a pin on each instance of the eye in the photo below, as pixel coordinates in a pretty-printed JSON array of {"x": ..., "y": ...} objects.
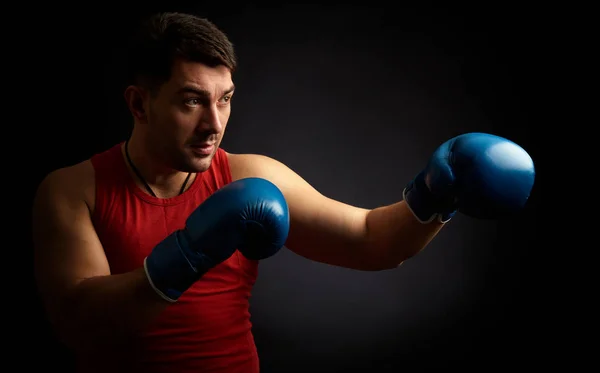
[
  {"x": 226, "y": 99},
  {"x": 192, "y": 102}
]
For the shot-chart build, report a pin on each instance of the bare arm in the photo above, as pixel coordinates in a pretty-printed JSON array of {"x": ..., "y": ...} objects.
[
  {"x": 332, "y": 232},
  {"x": 88, "y": 307}
]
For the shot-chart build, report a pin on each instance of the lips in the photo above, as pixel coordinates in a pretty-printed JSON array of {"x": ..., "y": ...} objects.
[
  {"x": 204, "y": 148},
  {"x": 203, "y": 145}
]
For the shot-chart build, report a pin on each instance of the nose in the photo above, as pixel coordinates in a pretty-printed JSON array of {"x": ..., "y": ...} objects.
[{"x": 211, "y": 120}]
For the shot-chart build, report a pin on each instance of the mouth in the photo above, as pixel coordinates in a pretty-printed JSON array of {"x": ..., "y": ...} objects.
[{"x": 203, "y": 148}]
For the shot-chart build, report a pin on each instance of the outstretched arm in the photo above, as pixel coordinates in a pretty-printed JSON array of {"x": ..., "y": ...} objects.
[
  {"x": 482, "y": 175},
  {"x": 328, "y": 231}
]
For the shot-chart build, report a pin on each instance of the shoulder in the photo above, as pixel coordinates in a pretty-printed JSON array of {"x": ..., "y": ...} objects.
[
  {"x": 292, "y": 184},
  {"x": 73, "y": 184},
  {"x": 254, "y": 165}
]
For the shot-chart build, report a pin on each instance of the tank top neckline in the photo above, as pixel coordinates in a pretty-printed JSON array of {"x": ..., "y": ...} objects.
[{"x": 141, "y": 194}]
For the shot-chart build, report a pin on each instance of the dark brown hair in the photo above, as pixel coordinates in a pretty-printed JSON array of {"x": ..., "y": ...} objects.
[{"x": 164, "y": 37}]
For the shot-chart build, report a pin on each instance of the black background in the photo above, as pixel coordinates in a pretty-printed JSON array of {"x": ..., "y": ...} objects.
[{"x": 354, "y": 99}]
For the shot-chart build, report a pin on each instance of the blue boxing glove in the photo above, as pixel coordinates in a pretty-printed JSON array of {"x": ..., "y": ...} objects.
[
  {"x": 249, "y": 214},
  {"x": 478, "y": 174}
]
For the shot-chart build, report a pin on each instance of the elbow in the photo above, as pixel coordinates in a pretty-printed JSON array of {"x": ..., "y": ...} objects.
[
  {"x": 81, "y": 336},
  {"x": 70, "y": 324},
  {"x": 62, "y": 330},
  {"x": 67, "y": 328}
]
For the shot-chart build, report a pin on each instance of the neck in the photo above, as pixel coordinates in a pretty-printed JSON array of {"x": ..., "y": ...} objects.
[{"x": 163, "y": 181}]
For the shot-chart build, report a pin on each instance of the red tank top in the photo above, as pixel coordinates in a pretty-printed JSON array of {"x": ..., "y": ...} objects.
[{"x": 208, "y": 329}]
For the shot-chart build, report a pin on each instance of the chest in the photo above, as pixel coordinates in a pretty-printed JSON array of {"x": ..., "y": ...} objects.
[{"x": 130, "y": 229}]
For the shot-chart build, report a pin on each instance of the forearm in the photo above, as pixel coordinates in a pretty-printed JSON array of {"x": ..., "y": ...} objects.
[
  {"x": 101, "y": 312},
  {"x": 394, "y": 235}
]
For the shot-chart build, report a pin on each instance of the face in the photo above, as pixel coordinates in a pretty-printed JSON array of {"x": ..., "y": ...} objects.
[{"x": 184, "y": 122}]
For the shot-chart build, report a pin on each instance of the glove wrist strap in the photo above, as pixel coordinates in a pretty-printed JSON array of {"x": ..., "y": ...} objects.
[{"x": 424, "y": 205}]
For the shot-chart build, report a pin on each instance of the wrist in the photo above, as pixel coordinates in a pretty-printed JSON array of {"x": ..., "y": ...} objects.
[
  {"x": 171, "y": 268},
  {"x": 424, "y": 205}
]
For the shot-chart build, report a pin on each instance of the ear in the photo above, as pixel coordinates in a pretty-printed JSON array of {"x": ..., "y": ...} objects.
[{"x": 136, "y": 98}]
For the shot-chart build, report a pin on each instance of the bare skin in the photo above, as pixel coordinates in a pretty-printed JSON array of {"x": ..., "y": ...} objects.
[{"x": 176, "y": 131}]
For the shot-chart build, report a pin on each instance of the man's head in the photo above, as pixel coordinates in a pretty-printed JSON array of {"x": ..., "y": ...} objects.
[{"x": 180, "y": 87}]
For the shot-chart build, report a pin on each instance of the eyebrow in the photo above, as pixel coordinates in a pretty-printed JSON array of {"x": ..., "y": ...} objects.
[{"x": 202, "y": 92}]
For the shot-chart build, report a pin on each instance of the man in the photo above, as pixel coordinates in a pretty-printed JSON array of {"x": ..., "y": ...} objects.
[{"x": 146, "y": 253}]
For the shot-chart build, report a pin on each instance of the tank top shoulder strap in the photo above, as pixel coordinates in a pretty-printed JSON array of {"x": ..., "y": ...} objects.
[
  {"x": 109, "y": 171},
  {"x": 108, "y": 164},
  {"x": 220, "y": 167}
]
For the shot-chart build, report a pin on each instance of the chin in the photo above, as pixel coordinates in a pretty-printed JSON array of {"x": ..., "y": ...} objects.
[
  {"x": 197, "y": 161},
  {"x": 201, "y": 164}
]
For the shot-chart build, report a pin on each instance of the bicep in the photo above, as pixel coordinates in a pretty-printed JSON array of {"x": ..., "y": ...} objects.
[
  {"x": 66, "y": 246},
  {"x": 321, "y": 228}
]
